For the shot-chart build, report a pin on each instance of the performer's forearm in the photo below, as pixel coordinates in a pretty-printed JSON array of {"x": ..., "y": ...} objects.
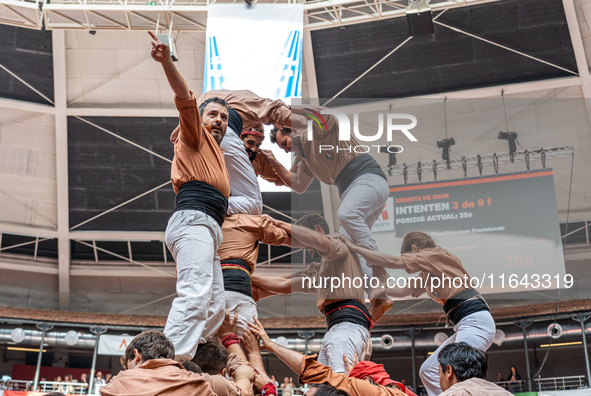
[
  {"x": 292, "y": 358},
  {"x": 377, "y": 258},
  {"x": 272, "y": 284},
  {"x": 310, "y": 238},
  {"x": 175, "y": 80},
  {"x": 283, "y": 173}
]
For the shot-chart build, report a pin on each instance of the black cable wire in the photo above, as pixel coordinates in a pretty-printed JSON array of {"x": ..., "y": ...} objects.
[
  {"x": 445, "y": 115},
  {"x": 504, "y": 109},
  {"x": 558, "y": 296}
]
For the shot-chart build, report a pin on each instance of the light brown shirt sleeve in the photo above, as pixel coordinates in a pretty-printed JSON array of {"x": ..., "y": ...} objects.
[
  {"x": 263, "y": 168},
  {"x": 253, "y": 109},
  {"x": 272, "y": 235},
  {"x": 316, "y": 373},
  {"x": 222, "y": 386},
  {"x": 190, "y": 120},
  {"x": 337, "y": 250}
]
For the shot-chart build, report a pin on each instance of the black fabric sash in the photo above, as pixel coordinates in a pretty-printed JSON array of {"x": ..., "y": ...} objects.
[
  {"x": 458, "y": 307},
  {"x": 235, "y": 121},
  {"x": 237, "y": 280},
  {"x": 198, "y": 195},
  {"x": 358, "y": 166},
  {"x": 355, "y": 312}
]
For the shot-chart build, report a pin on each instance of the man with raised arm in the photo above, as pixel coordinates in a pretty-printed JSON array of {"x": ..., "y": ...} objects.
[
  {"x": 248, "y": 112},
  {"x": 347, "y": 318},
  {"x": 193, "y": 234},
  {"x": 313, "y": 372},
  {"x": 362, "y": 185}
]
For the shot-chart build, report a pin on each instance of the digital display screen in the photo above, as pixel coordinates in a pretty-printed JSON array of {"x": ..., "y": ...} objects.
[{"x": 504, "y": 228}]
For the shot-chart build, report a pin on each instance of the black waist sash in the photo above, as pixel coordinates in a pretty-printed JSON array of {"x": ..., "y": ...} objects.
[
  {"x": 235, "y": 121},
  {"x": 358, "y": 166},
  {"x": 235, "y": 279},
  {"x": 198, "y": 195},
  {"x": 351, "y": 311},
  {"x": 463, "y": 304}
]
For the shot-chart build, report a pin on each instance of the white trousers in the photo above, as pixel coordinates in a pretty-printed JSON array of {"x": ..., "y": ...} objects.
[
  {"x": 477, "y": 329},
  {"x": 243, "y": 306},
  {"x": 342, "y": 338},
  {"x": 361, "y": 205},
  {"x": 193, "y": 239},
  {"x": 244, "y": 186}
]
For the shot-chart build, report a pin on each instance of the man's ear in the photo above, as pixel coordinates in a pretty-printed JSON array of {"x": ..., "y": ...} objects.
[
  {"x": 449, "y": 373},
  {"x": 319, "y": 229},
  {"x": 415, "y": 249},
  {"x": 224, "y": 372},
  {"x": 137, "y": 357}
]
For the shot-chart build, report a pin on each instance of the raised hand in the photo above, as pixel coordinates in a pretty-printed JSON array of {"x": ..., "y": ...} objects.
[
  {"x": 250, "y": 343},
  {"x": 258, "y": 329},
  {"x": 228, "y": 325},
  {"x": 160, "y": 51},
  {"x": 348, "y": 367},
  {"x": 345, "y": 240},
  {"x": 367, "y": 350}
]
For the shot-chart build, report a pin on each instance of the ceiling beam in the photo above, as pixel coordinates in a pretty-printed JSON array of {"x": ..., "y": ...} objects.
[
  {"x": 14, "y": 104},
  {"x": 133, "y": 236},
  {"x": 310, "y": 67},
  {"x": 579, "y": 50},
  {"x": 61, "y": 154},
  {"x": 122, "y": 112},
  {"x": 25, "y": 230}
]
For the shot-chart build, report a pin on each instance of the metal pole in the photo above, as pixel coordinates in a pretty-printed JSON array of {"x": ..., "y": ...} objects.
[
  {"x": 306, "y": 335},
  {"x": 98, "y": 331},
  {"x": 43, "y": 327},
  {"x": 414, "y": 365},
  {"x": 523, "y": 324},
  {"x": 581, "y": 319}
]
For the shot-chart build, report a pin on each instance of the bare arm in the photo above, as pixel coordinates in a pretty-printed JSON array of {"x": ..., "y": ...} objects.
[
  {"x": 300, "y": 180},
  {"x": 382, "y": 259},
  {"x": 273, "y": 284},
  {"x": 250, "y": 343},
  {"x": 292, "y": 358},
  {"x": 229, "y": 327},
  {"x": 400, "y": 292},
  {"x": 283, "y": 173},
  {"x": 305, "y": 237},
  {"x": 161, "y": 54}
]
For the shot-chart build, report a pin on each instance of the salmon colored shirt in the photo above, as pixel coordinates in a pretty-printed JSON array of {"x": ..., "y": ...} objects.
[
  {"x": 316, "y": 373},
  {"x": 221, "y": 385},
  {"x": 328, "y": 164},
  {"x": 339, "y": 261},
  {"x": 242, "y": 233},
  {"x": 263, "y": 168},
  {"x": 253, "y": 109},
  {"x": 158, "y": 377},
  {"x": 434, "y": 262},
  {"x": 475, "y": 387},
  {"x": 197, "y": 156}
]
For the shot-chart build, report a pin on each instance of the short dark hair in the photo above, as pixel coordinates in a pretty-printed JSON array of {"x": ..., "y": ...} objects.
[
  {"x": 417, "y": 238},
  {"x": 465, "y": 361},
  {"x": 191, "y": 366},
  {"x": 215, "y": 99},
  {"x": 312, "y": 220},
  {"x": 54, "y": 394},
  {"x": 326, "y": 389},
  {"x": 284, "y": 131},
  {"x": 211, "y": 357},
  {"x": 150, "y": 344}
]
